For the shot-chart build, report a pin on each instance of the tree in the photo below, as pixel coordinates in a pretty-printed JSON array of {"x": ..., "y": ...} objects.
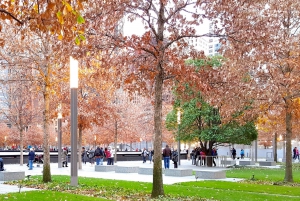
[
  {"x": 157, "y": 56},
  {"x": 202, "y": 122},
  {"x": 18, "y": 104},
  {"x": 271, "y": 56}
]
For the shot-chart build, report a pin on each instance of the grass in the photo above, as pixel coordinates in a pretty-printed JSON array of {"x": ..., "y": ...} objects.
[
  {"x": 267, "y": 185},
  {"x": 47, "y": 196}
]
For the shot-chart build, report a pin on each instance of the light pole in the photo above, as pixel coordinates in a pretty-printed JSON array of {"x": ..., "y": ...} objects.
[
  {"x": 74, "y": 123},
  {"x": 178, "y": 122},
  {"x": 59, "y": 117}
]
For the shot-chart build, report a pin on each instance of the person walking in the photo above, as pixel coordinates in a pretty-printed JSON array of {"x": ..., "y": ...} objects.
[
  {"x": 102, "y": 155},
  {"x": 175, "y": 158},
  {"x": 233, "y": 153},
  {"x": 107, "y": 155},
  {"x": 31, "y": 156},
  {"x": 98, "y": 155},
  {"x": 151, "y": 153},
  {"x": 242, "y": 153},
  {"x": 83, "y": 155},
  {"x": 64, "y": 155},
  {"x": 91, "y": 156},
  {"x": 1, "y": 165},
  {"x": 167, "y": 154},
  {"x": 144, "y": 155}
]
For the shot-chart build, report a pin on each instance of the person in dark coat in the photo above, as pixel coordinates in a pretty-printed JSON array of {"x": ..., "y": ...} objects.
[
  {"x": 31, "y": 156},
  {"x": 167, "y": 155},
  {"x": 1, "y": 165}
]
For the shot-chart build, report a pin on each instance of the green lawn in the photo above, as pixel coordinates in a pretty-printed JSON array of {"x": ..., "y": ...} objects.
[{"x": 267, "y": 185}]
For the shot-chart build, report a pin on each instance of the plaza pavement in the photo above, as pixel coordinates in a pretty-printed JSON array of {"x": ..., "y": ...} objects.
[{"x": 88, "y": 170}]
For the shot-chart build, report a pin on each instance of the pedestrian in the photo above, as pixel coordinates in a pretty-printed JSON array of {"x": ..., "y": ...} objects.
[
  {"x": 112, "y": 156},
  {"x": 83, "y": 155},
  {"x": 175, "y": 158},
  {"x": 107, "y": 155},
  {"x": 144, "y": 155},
  {"x": 64, "y": 155},
  {"x": 91, "y": 156},
  {"x": 31, "y": 156},
  {"x": 297, "y": 153},
  {"x": 97, "y": 155},
  {"x": 242, "y": 153},
  {"x": 233, "y": 153},
  {"x": 294, "y": 153},
  {"x": 102, "y": 155},
  {"x": 151, "y": 153},
  {"x": 167, "y": 154},
  {"x": 214, "y": 155},
  {"x": 1, "y": 165}
]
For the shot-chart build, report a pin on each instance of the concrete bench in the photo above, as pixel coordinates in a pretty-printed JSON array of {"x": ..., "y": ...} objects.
[
  {"x": 267, "y": 163},
  {"x": 178, "y": 172},
  {"x": 126, "y": 169},
  {"x": 210, "y": 174},
  {"x": 10, "y": 176},
  {"x": 145, "y": 170},
  {"x": 246, "y": 162},
  {"x": 104, "y": 168},
  {"x": 226, "y": 162}
]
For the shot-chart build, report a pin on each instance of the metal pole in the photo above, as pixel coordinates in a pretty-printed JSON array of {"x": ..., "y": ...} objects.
[
  {"x": 59, "y": 142},
  {"x": 256, "y": 151},
  {"x": 74, "y": 123},
  {"x": 178, "y": 150}
]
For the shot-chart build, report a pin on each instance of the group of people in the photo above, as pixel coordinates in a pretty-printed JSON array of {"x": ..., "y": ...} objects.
[
  {"x": 168, "y": 155},
  {"x": 98, "y": 155},
  {"x": 295, "y": 153},
  {"x": 149, "y": 154},
  {"x": 198, "y": 156}
]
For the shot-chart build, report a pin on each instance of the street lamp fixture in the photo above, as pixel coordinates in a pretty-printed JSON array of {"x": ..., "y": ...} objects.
[
  {"x": 59, "y": 117},
  {"x": 74, "y": 123},
  {"x": 178, "y": 122}
]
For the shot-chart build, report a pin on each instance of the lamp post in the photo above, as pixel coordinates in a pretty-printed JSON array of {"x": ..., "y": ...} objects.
[
  {"x": 59, "y": 117},
  {"x": 74, "y": 123},
  {"x": 178, "y": 122},
  {"x": 4, "y": 143}
]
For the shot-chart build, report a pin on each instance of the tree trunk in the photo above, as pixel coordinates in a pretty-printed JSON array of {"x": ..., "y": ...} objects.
[
  {"x": 79, "y": 148},
  {"x": 21, "y": 148},
  {"x": 157, "y": 186},
  {"x": 46, "y": 116},
  {"x": 288, "y": 170}
]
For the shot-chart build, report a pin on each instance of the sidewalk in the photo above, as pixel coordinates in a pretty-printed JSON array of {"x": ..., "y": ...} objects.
[{"x": 89, "y": 171}]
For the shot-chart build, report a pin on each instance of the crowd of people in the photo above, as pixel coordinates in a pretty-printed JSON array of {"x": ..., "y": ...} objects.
[
  {"x": 199, "y": 155},
  {"x": 98, "y": 155}
]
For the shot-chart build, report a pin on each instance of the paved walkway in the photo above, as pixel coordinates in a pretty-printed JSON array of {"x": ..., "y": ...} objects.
[{"x": 89, "y": 171}]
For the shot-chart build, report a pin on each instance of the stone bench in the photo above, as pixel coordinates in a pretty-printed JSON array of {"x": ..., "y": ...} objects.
[
  {"x": 104, "y": 168},
  {"x": 267, "y": 163},
  {"x": 246, "y": 162},
  {"x": 227, "y": 162},
  {"x": 126, "y": 169},
  {"x": 145, "y": 170},
  {"x": 10, "y": 176},
  {"x": 178, "y": 172},
  {"x": 210, "y": 174}
]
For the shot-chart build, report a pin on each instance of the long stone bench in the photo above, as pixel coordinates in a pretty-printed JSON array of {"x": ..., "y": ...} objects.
[
  {"x": 210, "y": 174},
  {"x": 178, "y": 172},
  {"x": 267, "y": 163},
  {"x": 126, "y": 169},
  {"x": 227, "y": 162},
  {"x": 10, "y": 176},
  {"x": 104, "y": 168},
  {"x": 246, "y": 162},
  {"x": 145, "y": 170}
]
